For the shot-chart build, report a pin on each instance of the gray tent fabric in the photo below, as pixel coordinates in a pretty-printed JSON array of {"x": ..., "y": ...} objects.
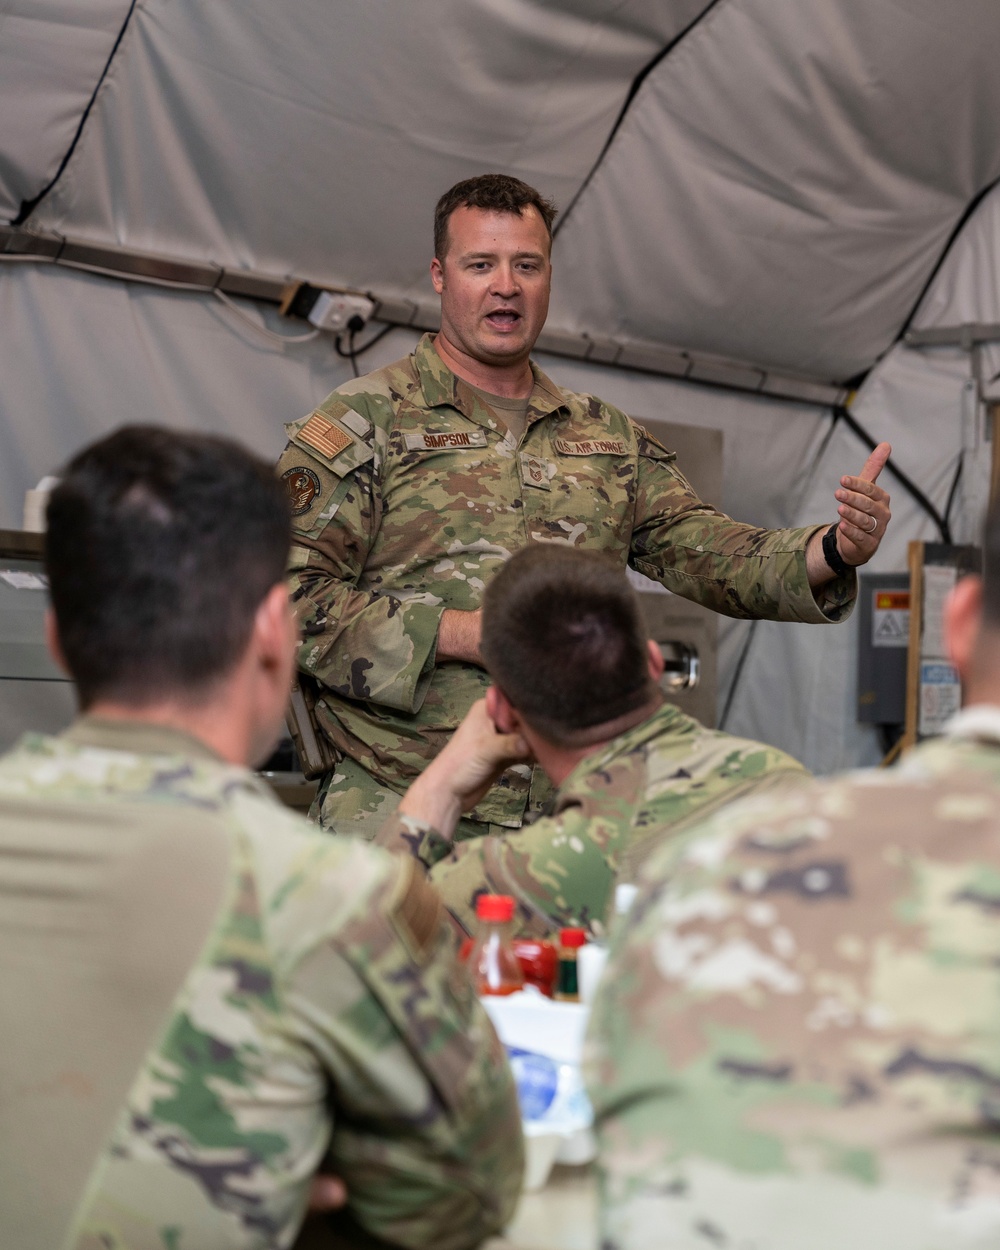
[
  {"x": 771, "y": 183},
  {"x": 51, "y": 56},
  {"x": 317, "y": 140},
  {"x": 797, "y": 687},
  {"x": 785, "y": 182}
]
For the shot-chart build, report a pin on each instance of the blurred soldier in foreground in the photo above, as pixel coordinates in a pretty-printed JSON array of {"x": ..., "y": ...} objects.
[
  {"x": 576, "y": 690},
  {"x": 797, "y": 1040},
  {"x": 410, "y": 487},
  {"x": 204, "y": 996}
]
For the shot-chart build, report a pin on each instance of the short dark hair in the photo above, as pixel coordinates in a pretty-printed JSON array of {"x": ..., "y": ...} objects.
[
  {"x": 160, "y": 547},
  {"x": 563, "y": 639},
  {"x": 499, "y": 193}
]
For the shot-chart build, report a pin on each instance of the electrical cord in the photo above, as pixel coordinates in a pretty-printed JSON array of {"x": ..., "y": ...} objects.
[
  {"x": 255, "y": 325},
  {"x": 352, "y": 353},
  {"x": 953, "y": 490},
  {"x": 194, "y": 287}
]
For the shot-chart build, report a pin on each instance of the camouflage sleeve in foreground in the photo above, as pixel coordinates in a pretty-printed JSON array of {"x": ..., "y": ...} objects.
[
  {"x": 797, "y": 1041},
  {"x": 427, "y": 1132},
  {"x": 329, "y": 992},
  {"x": 738, "y": 570},
  {"x": 359, "y": 643}
]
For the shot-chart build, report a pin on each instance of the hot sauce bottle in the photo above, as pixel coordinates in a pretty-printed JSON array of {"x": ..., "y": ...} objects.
[
  {"x": 492, "y": 962},
  {"x": 539, "y": 963},
  {"x": 568, "y": 981}
]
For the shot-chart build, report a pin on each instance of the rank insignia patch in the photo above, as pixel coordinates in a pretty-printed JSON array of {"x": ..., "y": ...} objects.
[
  {"x": 537, "y": 472},
  {"x": 302, "y": 485}
]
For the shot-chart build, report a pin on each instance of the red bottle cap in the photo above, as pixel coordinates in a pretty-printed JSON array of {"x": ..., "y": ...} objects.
[
  {"x": 572, "y": 937},
  {"x": 495, "y": 907}
]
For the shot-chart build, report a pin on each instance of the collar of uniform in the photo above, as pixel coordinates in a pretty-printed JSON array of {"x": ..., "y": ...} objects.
[
  {"x": 981, "y": 721},
  {"x": 440, "y": 386},
  {"x": 664, "y": 718},
  {"x": 137, "y": 738}
]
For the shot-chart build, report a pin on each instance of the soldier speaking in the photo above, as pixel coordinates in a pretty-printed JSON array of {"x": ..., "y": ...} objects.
[{"x": 434, "y": 470}]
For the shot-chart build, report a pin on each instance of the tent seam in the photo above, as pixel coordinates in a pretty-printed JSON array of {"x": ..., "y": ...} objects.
[
  {"x": 957, "y": 230},
  {"x": 633, "y": 92},
  {"x": 29, "y": 206}
]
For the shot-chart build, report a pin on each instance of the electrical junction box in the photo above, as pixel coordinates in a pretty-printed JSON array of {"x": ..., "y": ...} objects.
[
  {"x": 883, "y": 618},
  {"x": 334, "y": 311}
]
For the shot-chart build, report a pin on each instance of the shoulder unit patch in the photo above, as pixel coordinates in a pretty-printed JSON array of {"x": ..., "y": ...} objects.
[{"x": 303, "y": 486}]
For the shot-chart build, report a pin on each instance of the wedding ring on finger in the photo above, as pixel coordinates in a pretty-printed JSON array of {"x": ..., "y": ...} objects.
[{"x": 874, "y": 526}]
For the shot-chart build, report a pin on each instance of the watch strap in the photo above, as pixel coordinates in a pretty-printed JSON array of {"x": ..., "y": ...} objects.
[{"x": 832, "y": 555}]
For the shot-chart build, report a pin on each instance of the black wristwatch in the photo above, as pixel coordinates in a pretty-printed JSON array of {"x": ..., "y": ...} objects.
[{"x": 830, "y": 553}]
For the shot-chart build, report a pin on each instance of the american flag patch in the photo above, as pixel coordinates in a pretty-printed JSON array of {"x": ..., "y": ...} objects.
[{"x": 321, "y": 433}]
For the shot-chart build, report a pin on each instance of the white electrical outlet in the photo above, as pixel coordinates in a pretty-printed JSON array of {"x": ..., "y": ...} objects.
[{"x": 333, "y": 310}]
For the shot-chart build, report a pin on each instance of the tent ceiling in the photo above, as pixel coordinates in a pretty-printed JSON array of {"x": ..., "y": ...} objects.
[
  {"x": 787, "y": 179},
  {"x": 778, "y": 191}
]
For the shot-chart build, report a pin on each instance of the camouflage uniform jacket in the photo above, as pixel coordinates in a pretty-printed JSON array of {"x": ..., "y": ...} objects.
[
  {"x": 616, "y": 805},
  {"x": 324, "y": 1015},
  {"x": 408, "y": 493},
  {"x": 797, "y": 1041}
]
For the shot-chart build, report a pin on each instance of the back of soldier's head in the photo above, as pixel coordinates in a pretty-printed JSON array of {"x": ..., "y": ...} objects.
[
  {"x": 563, "y": 639},
  {"x": 160, "y": 547}
]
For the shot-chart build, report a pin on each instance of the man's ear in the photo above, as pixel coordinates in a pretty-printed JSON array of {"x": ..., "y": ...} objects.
[
  {"x": 501, "y": 711},
  {"x": 53, "y": 643},
  {"x": 963, "y": 616},
  {"x": 655, "y": 662},
  {"x": 437, "y": 275},
  {"x": 274, "y": 631}
]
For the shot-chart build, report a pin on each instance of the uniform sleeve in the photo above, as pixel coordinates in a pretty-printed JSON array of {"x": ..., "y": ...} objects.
[
  {"x": 427, "y": 1132},
  {"x": 561, "y": 870},
  {"x": 702, "y": 554},
  {"x": 362, "y": 644}
]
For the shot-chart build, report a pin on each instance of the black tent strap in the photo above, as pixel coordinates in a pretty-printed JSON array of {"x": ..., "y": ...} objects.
[
  {"x": 634, "y": 88},
  {"x": 29, "y": 206},
  {"x": 109, "y": 260}
]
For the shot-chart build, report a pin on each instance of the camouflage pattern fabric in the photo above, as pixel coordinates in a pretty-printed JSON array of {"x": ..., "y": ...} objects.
[
  {"x": 652, "y": 782},
  {"x": 325, "y": 1017},
  {"x": 363, "y": 807},
  {"x": 408, "y": 493},
  {"x": 797, "y": 1041}
]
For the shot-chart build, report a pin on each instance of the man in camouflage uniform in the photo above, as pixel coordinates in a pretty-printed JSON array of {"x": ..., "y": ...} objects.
[
  {"x": 797, "y": 1042},
  {"x": 576, "y": 689},
  {"x": 204, "y": 997},
  {"x": 412, "y": 486}
]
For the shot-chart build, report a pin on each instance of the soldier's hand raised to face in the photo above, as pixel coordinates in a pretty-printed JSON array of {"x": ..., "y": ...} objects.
[{"x": 475, "y": 756}]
